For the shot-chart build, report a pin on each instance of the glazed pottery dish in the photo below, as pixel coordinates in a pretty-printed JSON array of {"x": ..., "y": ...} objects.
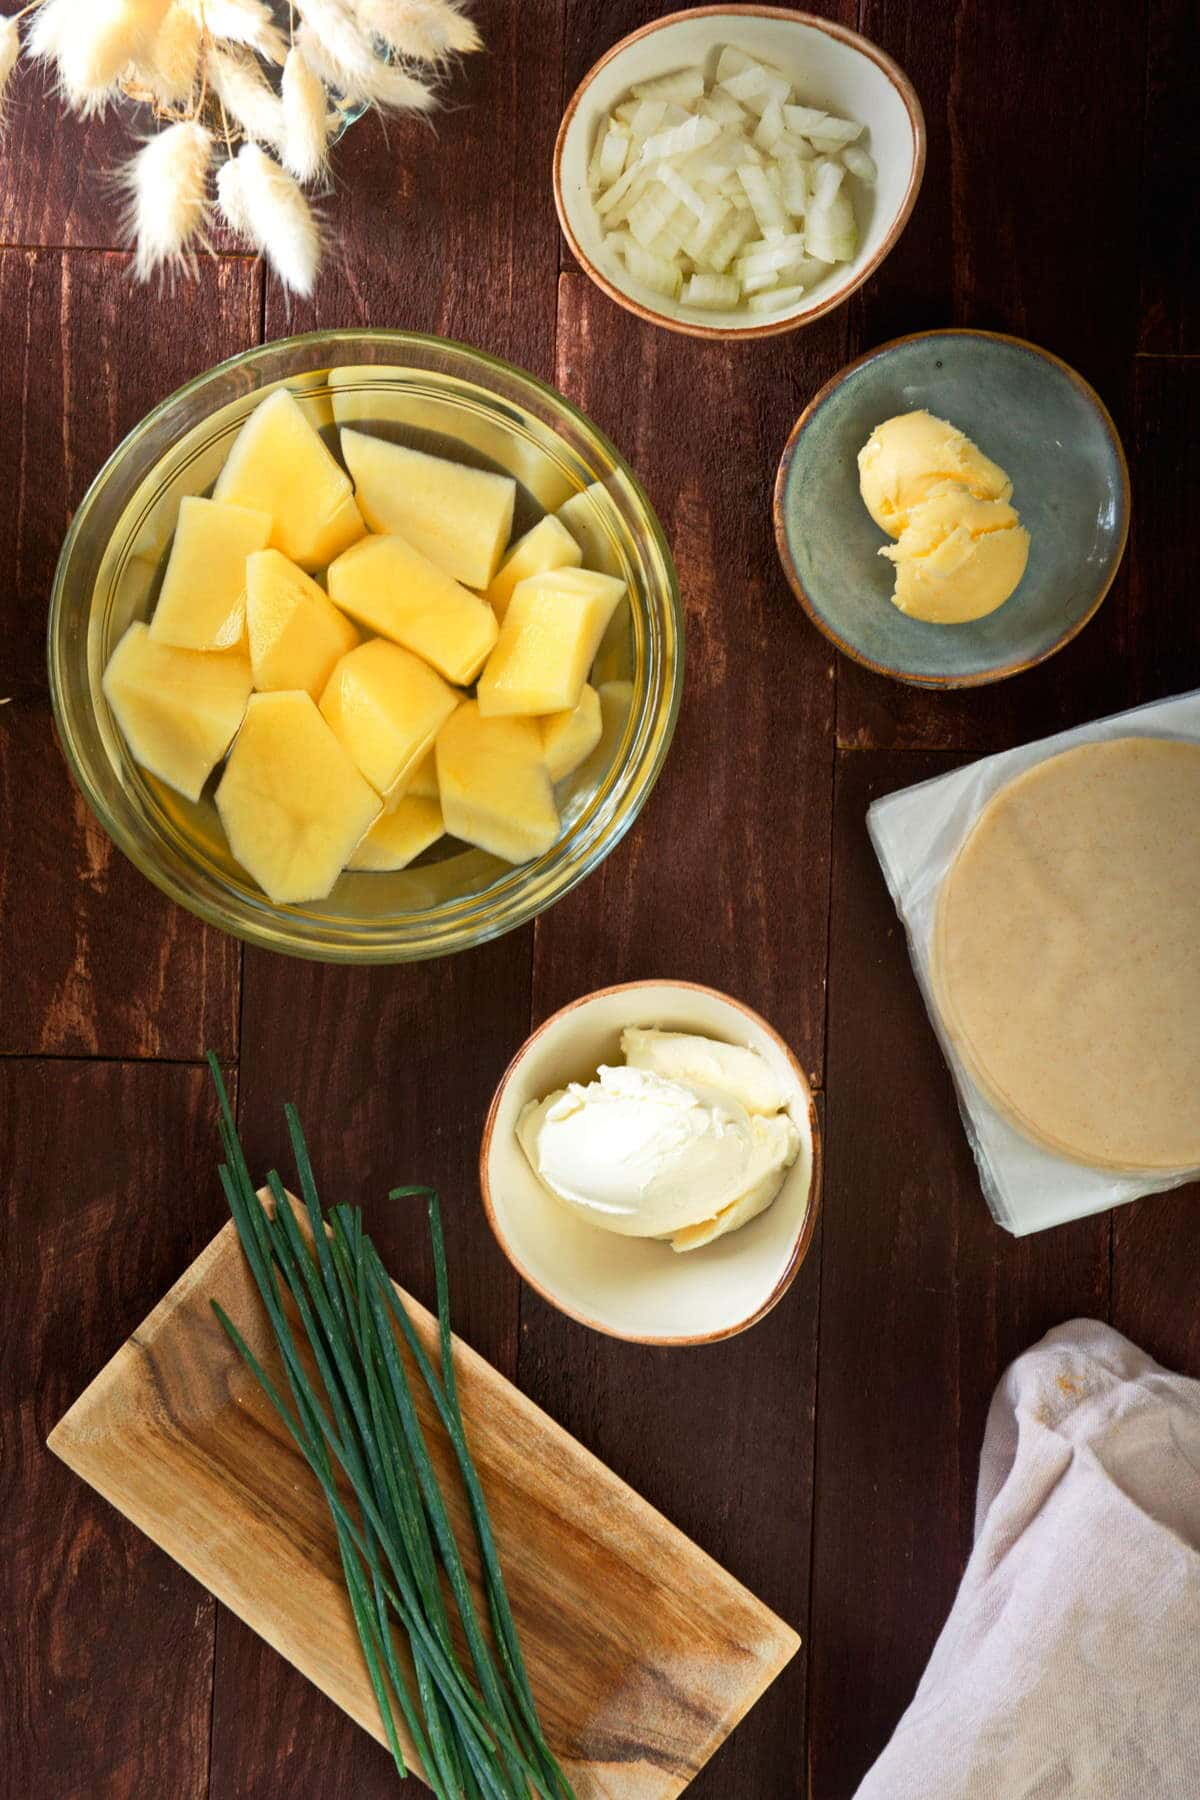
[
  {"x": 149, "y": 591},
  {"x": 633, "y": 1287},
  {"x": 1021, "y": 413},
  {"x": 831, "y": 70}
]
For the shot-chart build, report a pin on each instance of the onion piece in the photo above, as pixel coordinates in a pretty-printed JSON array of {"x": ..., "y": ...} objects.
[
  {"x": 715, "y": 292},
  {"x": 684, "y": 84},
  {"x": 775, "y": 299},
  {"x": 654, "y": 272}
]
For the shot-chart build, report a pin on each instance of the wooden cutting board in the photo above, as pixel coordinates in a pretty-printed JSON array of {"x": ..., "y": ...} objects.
[{"x": 642, "y": 1651}]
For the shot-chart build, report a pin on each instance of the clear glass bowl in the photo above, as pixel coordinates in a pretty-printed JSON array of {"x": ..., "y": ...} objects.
[{"x": 438, "y": 396}]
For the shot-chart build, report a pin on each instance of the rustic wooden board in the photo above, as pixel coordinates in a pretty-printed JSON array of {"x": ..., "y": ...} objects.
[
  {"x": 642, "y": 1652},
  {"x": 1170, "y": 219},
  {"x": 448, "y": 226},
  {"x": 735, "y": 838},
  {"x": 106, "y": 1656},
  {"x": 79, "y": 370},
  {"x": 923, "y": 1303},
  {"x": 93, "y": 960},
  {"x": 1005, "y": 237}
]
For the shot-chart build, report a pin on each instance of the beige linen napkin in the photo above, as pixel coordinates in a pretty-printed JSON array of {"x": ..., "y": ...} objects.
[{"x": 1070, "y": 1663}]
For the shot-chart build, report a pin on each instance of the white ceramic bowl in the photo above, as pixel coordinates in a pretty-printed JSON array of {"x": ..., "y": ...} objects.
[
  {"x": 635, "y": 1288},
  {"x": 830, "y": 66}
]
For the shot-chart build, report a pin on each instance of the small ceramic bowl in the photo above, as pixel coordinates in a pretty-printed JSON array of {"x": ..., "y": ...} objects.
[
  {"x": 635, "y": 1288},
  {"x": 1030, "y": 413},
  {"x": 830, "y": 66}
]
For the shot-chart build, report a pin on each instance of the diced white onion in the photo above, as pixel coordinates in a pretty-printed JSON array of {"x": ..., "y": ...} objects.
[
  {"x": 654, "y": 272},
  {"x": 775, "y": 299},
  {"x": 714, "y": 292},
  {"x": 685, "y": 84},
  {"x": 726, "y": 195}
]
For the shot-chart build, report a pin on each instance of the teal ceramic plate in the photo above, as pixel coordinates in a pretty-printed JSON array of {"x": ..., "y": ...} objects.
[{"x": 1026, "y": 410}]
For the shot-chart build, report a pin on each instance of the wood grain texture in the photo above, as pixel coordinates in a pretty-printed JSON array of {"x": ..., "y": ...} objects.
[
  {"x": 1168, "y": 209},
  {"x": 735, "y": 839},
  {"x": 1004, "y": 237},
  {"x": 924, "y": 1301},
  {"x": 79, "y": 369},
  {"x": 739, "y": 825},
  {"x": 106, "y": 1656},
  {"x": 449, "y": 226},
  {"x": 94, "y": 961},
  {"x": 642, "y": 1653}
]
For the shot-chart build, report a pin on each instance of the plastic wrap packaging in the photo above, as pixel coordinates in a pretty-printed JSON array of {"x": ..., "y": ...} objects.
[{"x": 917, "y": 833}]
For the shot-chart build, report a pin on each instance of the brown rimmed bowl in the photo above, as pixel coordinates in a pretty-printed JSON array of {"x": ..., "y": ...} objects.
[
  {"x": 830, "y": 66},
  {"x": 1027, "y": 410},
  {"x": 636, "y": 1288}
]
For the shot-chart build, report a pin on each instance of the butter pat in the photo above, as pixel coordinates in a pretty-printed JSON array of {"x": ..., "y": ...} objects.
[
  {"x": 961, "y": 549},
  {"x": 958, "y": 558},
  {"x": 906, "y": 458},
  {"x": 683, "y": 1156}
]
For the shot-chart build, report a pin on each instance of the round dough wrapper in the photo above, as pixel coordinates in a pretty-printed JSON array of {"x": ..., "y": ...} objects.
[{"x": 1066, "y": 953}]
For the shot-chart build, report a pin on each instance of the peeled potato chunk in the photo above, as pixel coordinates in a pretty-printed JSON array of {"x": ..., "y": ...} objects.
[
  {"x": 581, "y": 517},
  {"x": 460, "y": 518},
  {"x": 296, "y": 633},
  {"x": 548, "y": 642},
  {"x": 495, "y": 787},
  {"x": 279, "y": 465},
  {"x": 569, "y": 738},
  {"x": 386, "y": 707},
  {"x": 423, "y": 782},
  {"x": 548, "y": 546},
  {"x": 398, "y": 838},
  {"x": 177, "y": 709},
  {"x": 391, "y": 588},
  {"x": 202, "y": 602},
  {"x": 292, "y": 803}
]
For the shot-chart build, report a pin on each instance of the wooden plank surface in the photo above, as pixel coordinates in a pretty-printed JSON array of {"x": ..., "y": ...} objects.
[
  {"x": 106, "y": 1656},
  {"x": 829, "y": 1457}
]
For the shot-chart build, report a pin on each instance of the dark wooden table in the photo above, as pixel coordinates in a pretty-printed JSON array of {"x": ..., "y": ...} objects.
[{"x": 828, "y": 1457}]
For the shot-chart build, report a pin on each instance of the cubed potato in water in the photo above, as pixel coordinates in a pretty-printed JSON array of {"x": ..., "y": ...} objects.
[
  {"x": 548, "y": 546},
  {"x": 202, "y": 601},
  {"x": 398, "y": 837},
  {"x": 279, "y": 465},
  {"x": 386, "y": 707},
  {"x": 581, "y": 516},
  {"x": 293, "y": 805},
  {"x": 391, "y": 588},
  {"x": 460, "y": 518},
  {"x": 495, "y": 787},
  {"x": 177, "y": 709},
  {"x": 296, "y": 634},
  {"x": 423, "y": 784},
  {"x": 570, "y": 737},
  {"x": 548, "y": 642}
]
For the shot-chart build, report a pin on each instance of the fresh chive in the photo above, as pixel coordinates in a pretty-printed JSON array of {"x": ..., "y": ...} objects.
[{"x": 477, "y": 1739}]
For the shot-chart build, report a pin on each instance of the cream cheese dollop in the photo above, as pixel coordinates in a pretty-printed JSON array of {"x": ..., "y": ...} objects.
[{"x": 685, "y": 1141}]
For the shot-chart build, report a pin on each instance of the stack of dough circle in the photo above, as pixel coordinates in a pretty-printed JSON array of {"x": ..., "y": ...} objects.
[{"x": 1066, "y": 954}]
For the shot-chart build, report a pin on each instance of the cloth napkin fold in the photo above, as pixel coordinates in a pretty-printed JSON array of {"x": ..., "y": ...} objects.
[{"x": 1070, "y": 1663}]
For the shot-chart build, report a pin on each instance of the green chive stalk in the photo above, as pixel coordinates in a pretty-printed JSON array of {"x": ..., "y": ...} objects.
[{"x": 475, "y": 1728}]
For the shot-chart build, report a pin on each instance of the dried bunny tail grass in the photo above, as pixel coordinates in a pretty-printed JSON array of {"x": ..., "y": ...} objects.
[
  {"x": 343, "y": 55},
  {"x": 10, "y": 50},
  {"x": 249, "y": 22},
  {"x": 172, "y": 68},
  {"x": 229, "y": 198},
  {"x": 247, "y": 96},
  {"x": 427, "y": 30},
  {"x": 279, "y": 219},
  {"x": 167, "y": 185},
  {"x": 92, "y": 43},
  {"x": 306, "y": 117}
]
